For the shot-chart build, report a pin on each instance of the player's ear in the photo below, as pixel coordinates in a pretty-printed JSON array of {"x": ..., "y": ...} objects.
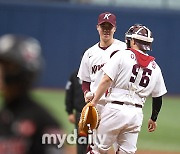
[
  {"x": 114, "y": 29},
  {"x": 97, "y": 27},
  {"x": 132, "y": 43}
]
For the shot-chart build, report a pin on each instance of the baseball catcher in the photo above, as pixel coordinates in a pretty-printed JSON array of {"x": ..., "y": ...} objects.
[{"x": 89, "y": 119}]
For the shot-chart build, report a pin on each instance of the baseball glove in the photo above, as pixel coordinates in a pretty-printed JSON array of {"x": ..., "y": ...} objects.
[{"x": 89, "y": 116}]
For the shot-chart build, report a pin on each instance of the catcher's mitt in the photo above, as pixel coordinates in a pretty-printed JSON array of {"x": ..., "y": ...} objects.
[{"x": 89, "y": 115}]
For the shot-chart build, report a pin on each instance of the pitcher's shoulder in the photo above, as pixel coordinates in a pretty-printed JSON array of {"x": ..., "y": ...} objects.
[{"x": 120, "y": 43}]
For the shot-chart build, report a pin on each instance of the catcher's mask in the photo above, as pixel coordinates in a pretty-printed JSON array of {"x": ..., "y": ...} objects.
[
  {"x": 141, "y": 35},
  {"x": 21, "y": 57}
]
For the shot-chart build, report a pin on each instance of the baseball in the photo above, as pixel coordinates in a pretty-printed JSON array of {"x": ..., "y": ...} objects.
[{"x": 89, "y": 95}]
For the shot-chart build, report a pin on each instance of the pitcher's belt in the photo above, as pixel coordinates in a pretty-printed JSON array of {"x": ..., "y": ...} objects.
[{"x": 121, "y": 103}]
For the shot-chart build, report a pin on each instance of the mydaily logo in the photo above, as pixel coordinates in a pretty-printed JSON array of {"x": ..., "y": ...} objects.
[{"x": 60, "y": 139}]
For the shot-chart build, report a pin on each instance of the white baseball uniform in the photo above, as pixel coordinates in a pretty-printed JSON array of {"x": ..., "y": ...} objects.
[
  {"x": 131, "y": 85},
  {"x": 92, "y": 62}
]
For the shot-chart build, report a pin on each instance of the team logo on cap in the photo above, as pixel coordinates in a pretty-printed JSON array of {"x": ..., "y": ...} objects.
[{"x": 106, "y": 16}]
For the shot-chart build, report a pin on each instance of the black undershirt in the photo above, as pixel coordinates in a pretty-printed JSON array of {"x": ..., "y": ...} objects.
[{"x": 156, "y": 107}]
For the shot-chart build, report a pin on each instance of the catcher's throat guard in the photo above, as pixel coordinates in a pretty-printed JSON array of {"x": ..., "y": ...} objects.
[{"x": 89, "y": 119}]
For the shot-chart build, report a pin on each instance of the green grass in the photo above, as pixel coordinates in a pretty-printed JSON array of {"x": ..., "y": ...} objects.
[
  {"x": 166, "y": 137},
  {"x": 54, "y": 102}
]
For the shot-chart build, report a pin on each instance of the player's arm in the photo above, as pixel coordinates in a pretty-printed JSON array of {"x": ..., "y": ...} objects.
[
  {"x": 69, "y": 99},
  {"x": 86, "y": 90},
  {"x": 103, "y": 86},
  {"x": 85, "y": 86},
  {"x": 156, "y": 107}
]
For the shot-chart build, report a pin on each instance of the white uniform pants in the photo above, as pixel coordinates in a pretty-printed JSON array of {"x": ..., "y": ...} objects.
[
  {"x": 121, "y": 124},
  {"x": 100, "y": 107}
]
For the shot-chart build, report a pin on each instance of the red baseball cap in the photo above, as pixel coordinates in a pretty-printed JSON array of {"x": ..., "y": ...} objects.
[{"x": 107, "y": 17}]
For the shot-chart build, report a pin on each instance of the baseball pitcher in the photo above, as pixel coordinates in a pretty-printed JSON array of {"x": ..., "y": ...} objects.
[{"x": 96, "y": 56}]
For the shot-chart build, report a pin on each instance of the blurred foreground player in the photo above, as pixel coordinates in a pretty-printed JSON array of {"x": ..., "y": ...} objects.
[{"x": 22, "y": 121}]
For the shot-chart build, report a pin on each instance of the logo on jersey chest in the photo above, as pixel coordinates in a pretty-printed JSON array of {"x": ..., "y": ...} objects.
[{"x": 96, "y": 68}]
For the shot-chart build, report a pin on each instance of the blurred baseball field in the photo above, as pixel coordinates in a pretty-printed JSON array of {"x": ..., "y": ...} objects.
[{"x": 165, "y": 138}]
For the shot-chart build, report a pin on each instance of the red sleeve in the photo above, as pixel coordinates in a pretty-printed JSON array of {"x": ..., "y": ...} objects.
[{"x": 86, "y": 86}]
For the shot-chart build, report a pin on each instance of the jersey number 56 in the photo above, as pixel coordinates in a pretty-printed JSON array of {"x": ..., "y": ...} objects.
[{"x": 145, "y": 75}]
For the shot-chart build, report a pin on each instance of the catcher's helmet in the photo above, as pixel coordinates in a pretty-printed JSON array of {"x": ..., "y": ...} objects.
[
  {"x": 142, "y": 36},
  {"x": 24, "y": 52}
]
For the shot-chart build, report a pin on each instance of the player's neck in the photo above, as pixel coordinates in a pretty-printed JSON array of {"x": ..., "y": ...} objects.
[
  {"x": 136, "y": 48},
  {"x": 103, "y": 43}
]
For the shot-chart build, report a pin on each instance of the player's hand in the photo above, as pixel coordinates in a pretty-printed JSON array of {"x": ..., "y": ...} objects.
[
  {"x": 72, "y": 118},
  {"x": 151, "y": 125},
  {"x": 93, "y": 103},
  {"x": 88, "y": 96}
]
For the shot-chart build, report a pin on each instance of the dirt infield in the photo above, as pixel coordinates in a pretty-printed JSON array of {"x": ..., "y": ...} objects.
[{"x": 72, "y": 150}]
